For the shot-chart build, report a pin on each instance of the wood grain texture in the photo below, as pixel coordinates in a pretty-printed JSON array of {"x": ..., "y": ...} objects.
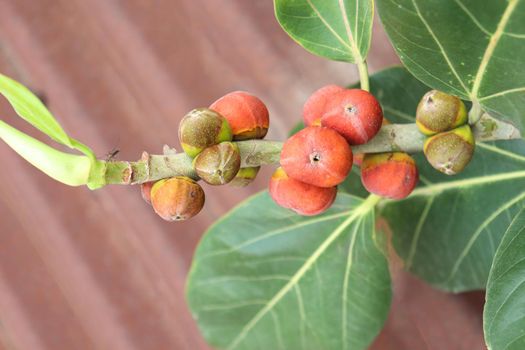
[{"x": 98, "y": 270}]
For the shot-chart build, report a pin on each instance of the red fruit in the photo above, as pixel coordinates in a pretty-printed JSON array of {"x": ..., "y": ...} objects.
[
  {"x": 390, "y": 175},
  {"x": 145, "y": 190},
  {"x": 246, "y": 114},
  {"x": 301, "y": 197},
  {"x": 318, "y": 156},
  {"x": 315, "y": 106},
  {"x": 355, "y": 114}
]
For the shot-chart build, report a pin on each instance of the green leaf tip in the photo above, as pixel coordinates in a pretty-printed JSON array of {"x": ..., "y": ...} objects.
[
  {"x": 66, "y": 168},
  {"x": 32, "y": 110},
  {"x": 29, "y": 107}
]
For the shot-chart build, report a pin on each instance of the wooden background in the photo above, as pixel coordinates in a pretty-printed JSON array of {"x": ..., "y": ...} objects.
[{"x": 98, "y": 270}]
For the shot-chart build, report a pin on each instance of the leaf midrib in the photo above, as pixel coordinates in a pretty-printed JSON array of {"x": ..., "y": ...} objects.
[
  {"x": 473, "y": 92},
  {"x": 496, "y": 213},
  {"x": 474, "y": 181},
  {"x": 360, "y": 210},
  {"x": 441, "y": 48},
  {"x": 354, "y": 51},
  {"x": 489, "y": 51}
]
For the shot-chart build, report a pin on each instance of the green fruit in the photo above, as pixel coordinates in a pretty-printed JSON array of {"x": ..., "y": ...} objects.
[
  {"x": 218, "y": 164},
  {"x": 450, "y": 151},
  {"x": 245, "y": 176},
  {"x": 202, "y": 128},
  {"x": 438, "y": 112}
]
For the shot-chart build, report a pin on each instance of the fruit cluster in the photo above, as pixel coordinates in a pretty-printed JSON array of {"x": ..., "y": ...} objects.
[
  {"x": 315, "y": 160},
  {"x": 206, "y": 135},
  {"x": 319, "y": 157},
  {"x": 450, "y": 143}
]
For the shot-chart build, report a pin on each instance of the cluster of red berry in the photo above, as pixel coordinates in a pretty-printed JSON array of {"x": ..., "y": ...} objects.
[
  {"x": 206, "y": 135},
  {"x": 319, "y": 157},
  {"x": 315, "y": 160}
]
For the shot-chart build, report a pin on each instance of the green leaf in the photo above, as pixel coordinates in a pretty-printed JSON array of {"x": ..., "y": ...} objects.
[
  {"x": 67, "y": 168},
  {"x": 503, "y": 317},
  {"x": 31, "y": 109},
  {"x": 336, "y": 29},
  {"x": 266, "y": 278},
  {"x": 448, "y": 229},
  {"x": 470, "y": 48}
]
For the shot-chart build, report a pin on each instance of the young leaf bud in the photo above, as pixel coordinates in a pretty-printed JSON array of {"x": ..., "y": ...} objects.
[
  {"x": 177, "y": 198},
  {"x": 218, "y": 164},
  {"x": 450, "y": 151},
  {"x": 202, "y": 128},
  {"x": 438, "y": 112}
]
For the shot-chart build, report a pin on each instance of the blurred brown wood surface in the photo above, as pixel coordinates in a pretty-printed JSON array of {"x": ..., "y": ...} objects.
[{"x": 98, "y": 270}]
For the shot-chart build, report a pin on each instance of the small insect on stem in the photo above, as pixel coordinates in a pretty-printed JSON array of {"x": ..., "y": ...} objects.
[{"x": 112, "y": 154}]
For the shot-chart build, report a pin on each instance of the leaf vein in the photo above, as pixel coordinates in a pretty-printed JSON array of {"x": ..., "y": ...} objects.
[{"x": 478, "y": 232}]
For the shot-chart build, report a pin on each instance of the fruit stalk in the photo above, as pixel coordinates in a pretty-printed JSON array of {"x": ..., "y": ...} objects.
[{"x": 391, "y": 138}]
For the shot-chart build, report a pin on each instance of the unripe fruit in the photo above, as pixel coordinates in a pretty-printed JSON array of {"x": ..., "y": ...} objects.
[
  {"x": 358, "y": 158},
  {"x": 247, "y": 115},
  {"x": 450, "y": 151},
  {"x": 303, "y": 198},
  {"x": 202, "y": 128},
  {"x": 356, "y": 114},
  {"x": 177, "y": 198},
  {"x": 145, "y": 190},
  {"x": 316, "y": 105},
  {"x": 390, "y": 175},
  {"x": 318, "y": 156},
  {"x": 218, "y": 164},
  {"x": 245, "y": 176},
  {"x": 438, "y": 112}
]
